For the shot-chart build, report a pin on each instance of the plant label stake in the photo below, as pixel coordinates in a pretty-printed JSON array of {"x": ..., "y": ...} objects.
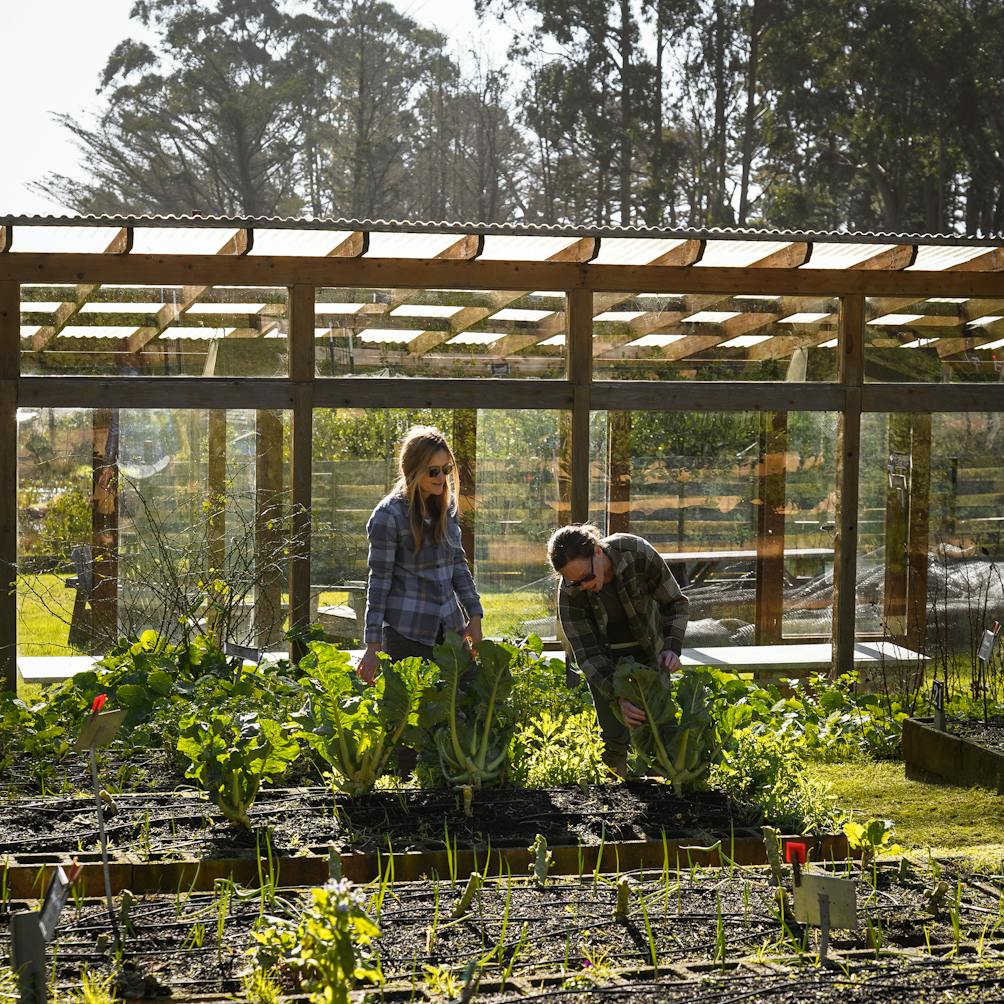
[
  {"x": 985, "y": 654},
  {"x": 32, "y": 930},
  {"x": 99, "y": 730},
  {"x": 938, "y": 703},
  {"x": 824, "y": 928}
]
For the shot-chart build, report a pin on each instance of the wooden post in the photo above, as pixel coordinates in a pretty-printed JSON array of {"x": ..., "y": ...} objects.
[
  {"x": 771, "y": 470},
  {"x": 465, "y": 449},
  {"x": 564, "y": 467},
  {"x": 301, "y": 372},
  {"x": 618, "y": 471},
  {"x": 105, "y": 432},
  {"x": 268, "y": 529},
  {"x": 896, "y": 525},
  {"x": 216, "y": 477},
  {"x": 579, "y": 312},
  {"x": 10, "y": 352},
  {"x": 918, "y": 545},
  {"x": 845, "y": 544}
]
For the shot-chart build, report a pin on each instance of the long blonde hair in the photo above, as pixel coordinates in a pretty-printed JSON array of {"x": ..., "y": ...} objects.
[{"x": 420, "y": 444}]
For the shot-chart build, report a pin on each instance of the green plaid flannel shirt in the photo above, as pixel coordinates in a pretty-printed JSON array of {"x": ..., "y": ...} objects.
[{"x": 655, "y": 607}]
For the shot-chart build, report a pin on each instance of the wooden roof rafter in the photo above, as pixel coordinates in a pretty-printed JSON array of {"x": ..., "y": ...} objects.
[{"x": 238, "y": 245}]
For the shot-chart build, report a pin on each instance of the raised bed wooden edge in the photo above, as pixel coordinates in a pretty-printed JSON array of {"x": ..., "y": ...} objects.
[
  {"x": 960, "y": 761},
  {"x": 25, "y": 875}
]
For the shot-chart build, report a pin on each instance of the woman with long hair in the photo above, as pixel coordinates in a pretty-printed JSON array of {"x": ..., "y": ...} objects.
[{"x": 419, "y": 584}]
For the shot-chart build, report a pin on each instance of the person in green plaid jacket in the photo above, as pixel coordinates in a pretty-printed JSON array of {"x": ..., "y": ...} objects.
[{"x": 617, "y": 598}]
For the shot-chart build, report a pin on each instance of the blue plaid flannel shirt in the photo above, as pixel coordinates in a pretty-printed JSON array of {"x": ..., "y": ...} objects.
[{"x": 415, "y": 593}]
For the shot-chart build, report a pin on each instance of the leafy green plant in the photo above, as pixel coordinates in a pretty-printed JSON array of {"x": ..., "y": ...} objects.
[
  {"x": 355, "y": 728},
  {"x": 231, "y": 754},
  {"x": 549, "y": 751},
  {"x": 327, "y": 947},
  {"x": 678, "y": 737},
  {"x": 467, "y": 715},
  {"x": 869, "y": 837},
  {"x": 762, "y": 773}
]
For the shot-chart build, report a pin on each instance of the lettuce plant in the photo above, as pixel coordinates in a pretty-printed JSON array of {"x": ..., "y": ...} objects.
[
  {"x": 678, "y": 737},
  {"x": 231, "y": 753},
  {"x": 353, "y": 727},
  {"x": 468, "y": 715}
]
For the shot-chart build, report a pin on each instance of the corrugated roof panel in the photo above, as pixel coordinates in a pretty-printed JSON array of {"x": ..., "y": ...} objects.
[
  {"x": 68, "y": 240},
  {"x": 29, "y": 330},
  {"x": 425, "y": 310},
  {"x": 619, "y": 315},
  {"x": 805, "y": 317},
  {"x": 991, "y": 345},
  {"x": 118, "y": 307},
  {"x": 654, "y": 341},
  {"x": 895, "y": 320},
  {"x": 40, "y": 306},
  {"x": 500, "y": 248},
  {"x": 711, "y": 316},
  {"x": 633, "y": 250},
  {"x": 518, "y": 314},
  {"x": 225, "y": 308},
  {"x": 181, "y": 240},
  {"x": 297, "y": 243},
  {"x": 405, "y": 245},
  {"x": 553, "y": 340},
  {"x": 744, "y": 341},
  {"x": 737, "y": 254},
  {"x": 937, "y": 259},
  {"x": 331, "y": 307},
  {"x": 476, "y": 338},
  {"x": 97, "y": 331},
  {"x": 827, "y": 255},
  {"x": 389, "y": 336}
]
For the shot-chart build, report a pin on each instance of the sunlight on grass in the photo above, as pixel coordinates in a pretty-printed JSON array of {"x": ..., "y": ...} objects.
[
  {"x": 44, "y": 606},
  {"x": 940, "y": 816}
]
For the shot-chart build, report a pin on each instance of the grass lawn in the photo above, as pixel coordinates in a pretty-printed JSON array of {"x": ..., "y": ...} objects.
[
  {"x": 940, "y": 816},
  {"x": 43, "y": 615}
]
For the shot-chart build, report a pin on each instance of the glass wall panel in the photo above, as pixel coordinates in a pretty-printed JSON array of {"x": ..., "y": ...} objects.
[
  {"x": 649, "y": 336},
  {"x": 440, "y": 333},
  {"x": 945, "y": 339},
  {"x": 164, "y": 519},
  {"x": 513, "y": 495},
  {"x": 117, "y": 330},
  {"x": 740, "y": 504}
]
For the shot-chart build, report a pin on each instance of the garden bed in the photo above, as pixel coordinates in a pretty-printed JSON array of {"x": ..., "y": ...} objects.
[
  {"x": 687, "y": 934},
  {"x": 959, "y": 756},
  {"x": 159, "y": 840}
]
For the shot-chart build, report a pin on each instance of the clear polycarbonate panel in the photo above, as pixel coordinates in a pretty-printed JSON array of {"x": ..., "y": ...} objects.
[
  {"x": 169, "y": 330},
  {"x": 171, "y": 520},
  {"x": 935, "y": 339},
  {"x": 439, "y": 333},
  {"x": 664, "y": 336},
  {"x": 512, "y": 496}
]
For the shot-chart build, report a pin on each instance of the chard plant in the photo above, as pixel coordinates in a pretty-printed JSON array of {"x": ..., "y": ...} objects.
[
  {"x": 231, "y": 753},
  {"x": 678, "y": 737},
  {"x": 353, "y": 727},
  {"x": 468, "y": 715}
]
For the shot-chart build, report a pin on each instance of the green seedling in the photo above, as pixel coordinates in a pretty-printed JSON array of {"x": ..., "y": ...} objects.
[
  {"x": 623, "y": 899},
  {"x": 652, "y": 952},
  {"x": 473, "y": 886},
  {"x": 430, "y": 934},
  {"x": 543, "y": 859}
]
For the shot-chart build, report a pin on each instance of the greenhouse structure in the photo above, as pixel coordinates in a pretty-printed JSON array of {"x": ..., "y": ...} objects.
[{"x": 199, "y": 414}]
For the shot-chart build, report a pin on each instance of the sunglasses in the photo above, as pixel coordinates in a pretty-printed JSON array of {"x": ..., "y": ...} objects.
[
  {"x": 579, "y": 583},
  {"x": 446, "y": 469}
]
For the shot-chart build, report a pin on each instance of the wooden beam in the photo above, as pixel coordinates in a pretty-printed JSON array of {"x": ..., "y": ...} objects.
[
  {"x": 771, "y": 472},
  {"x": 480, "y": 274},
  {"x": 6, "y": 238},
  {"x": 121, "y": 243},
  {"x": 354, "y": 246},
  {"x": 845, "y": 544},
  {"x": 793, "y": 255},
  {"x": 580, "y": 371},
  {"x": 894, "y": 258},
  {"x": 618, "y": 472},
  {"x": 918, "y": 540},
  {"x": 715, "y": 395},
  {"x": 10, "y": 354},
  {"x": 301, "y": 372},
  {"x": 580, "y": 252}
]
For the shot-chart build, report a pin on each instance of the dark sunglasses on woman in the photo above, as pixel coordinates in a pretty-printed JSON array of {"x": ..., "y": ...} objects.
[{"x": 446, "y": 469}]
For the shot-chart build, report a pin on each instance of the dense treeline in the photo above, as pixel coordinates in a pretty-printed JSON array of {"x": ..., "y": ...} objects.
[{"x": 867, "y": 114}]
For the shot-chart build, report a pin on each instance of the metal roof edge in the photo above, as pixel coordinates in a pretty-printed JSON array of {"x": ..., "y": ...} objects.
[{"x": 511, "y": 230}]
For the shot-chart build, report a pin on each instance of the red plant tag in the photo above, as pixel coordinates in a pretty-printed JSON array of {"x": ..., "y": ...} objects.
[
  {"x": 794, "y": 851},
  {"x": 98, "y": 703}
]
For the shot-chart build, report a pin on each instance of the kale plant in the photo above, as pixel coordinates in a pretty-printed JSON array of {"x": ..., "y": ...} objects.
[
  {"x": 678, "y": 738},
  {"x": 353, "y": 727},
  {"x": 232, "y": 753}
]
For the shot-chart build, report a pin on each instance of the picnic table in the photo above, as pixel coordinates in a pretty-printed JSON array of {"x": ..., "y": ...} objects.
[{"x": 697, "y": 565}]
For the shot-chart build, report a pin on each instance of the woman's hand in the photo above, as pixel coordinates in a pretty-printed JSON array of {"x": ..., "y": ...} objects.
[
  {"x": 632, "y": 714},
  {"x": 473, "y": 630},
  {"x": 369, "y": 664},
  {"x": 670, "y": 661}
]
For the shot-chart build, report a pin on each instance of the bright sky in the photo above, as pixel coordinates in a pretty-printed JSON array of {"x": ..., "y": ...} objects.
[{"x": 55, "y": 50}]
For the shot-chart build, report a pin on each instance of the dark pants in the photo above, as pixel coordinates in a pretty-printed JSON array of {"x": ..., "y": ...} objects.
[
  {"x": 398, "y": 647},
  {"x": 616, "y": 735}
]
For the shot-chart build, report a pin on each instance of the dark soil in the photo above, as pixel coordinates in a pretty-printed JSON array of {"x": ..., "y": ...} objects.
[
  {"x": 990, "y": 734},
  {"x": 563, "y": 941},
  {"x": 184, "y": 823}
]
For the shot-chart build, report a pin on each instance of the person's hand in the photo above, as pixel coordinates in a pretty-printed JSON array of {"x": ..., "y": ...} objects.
[
  {"x": 369, "y": 664},
  {"x": 670, "y": 661},
  {"x": 473, "y": 630},
  {"x": 632, "y": 714}
]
